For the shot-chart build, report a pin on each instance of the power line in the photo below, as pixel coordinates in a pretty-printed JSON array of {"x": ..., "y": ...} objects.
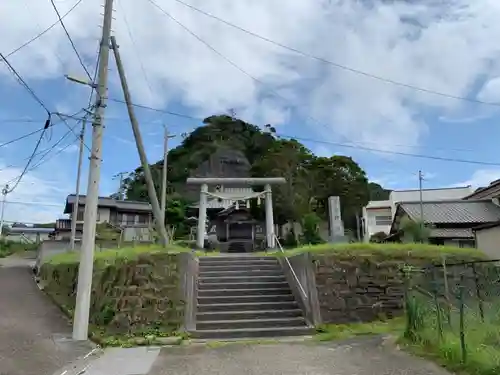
[
  {"x": 23, "y": 83},
  {"x": 156, "y": 109},
  {"x": 20, "y": 138},
  {"x": 332, "y": 63},
  {"x": 70, "y": 39},
  {"x": 135, "y": 46},
  {"x": 33, "y": 203},
  {"x": 30, "y": 160},
  {"x": 44, "y": 31},
  {"x": 371, "y": 149},
  {"x": 77, "y": 136}
]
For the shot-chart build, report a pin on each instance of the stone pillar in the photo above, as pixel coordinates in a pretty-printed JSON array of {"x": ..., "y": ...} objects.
[
  {"x": 336, "y": 225},
  {"x": 202, "y": 216},
  {"x": 271, "y": 243}
]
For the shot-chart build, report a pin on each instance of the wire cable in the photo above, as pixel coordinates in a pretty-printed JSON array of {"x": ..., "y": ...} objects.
[
  {"x": 377, "y": 150},
  {"x": 77, "y": 136},
  {"x": 20, "y": 138},
  {"x": 23, "y": 83},
  {"x": 70, "y": 39},
  {"x": 332, "y": 63},
  {"x": 27, "y": 43},
  {"x": 30, "y": 160},
  {"x": 127, "y": 24}
]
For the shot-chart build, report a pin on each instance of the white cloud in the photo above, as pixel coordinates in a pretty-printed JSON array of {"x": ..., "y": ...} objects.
[
  {"x": 442, "y": 46},
  {"x": 38, "y": 199},
  {"x": 481, "y": 178}
]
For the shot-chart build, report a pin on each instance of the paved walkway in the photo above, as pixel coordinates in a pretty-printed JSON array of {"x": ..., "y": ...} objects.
[
  {"x": 366, "y": 356},
  {"x": 33, "y": 332}
]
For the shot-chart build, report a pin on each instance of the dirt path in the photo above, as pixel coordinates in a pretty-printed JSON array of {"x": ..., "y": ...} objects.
[{"x": 33, "y": 332}]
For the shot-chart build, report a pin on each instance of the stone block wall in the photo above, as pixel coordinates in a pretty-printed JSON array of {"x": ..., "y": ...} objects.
[
  {"x": 128, "y": 295},
  {"x": 358, "y": 289}
]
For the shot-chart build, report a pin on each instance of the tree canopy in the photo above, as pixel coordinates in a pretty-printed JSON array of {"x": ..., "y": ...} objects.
[{"x": 310, "y": 179}]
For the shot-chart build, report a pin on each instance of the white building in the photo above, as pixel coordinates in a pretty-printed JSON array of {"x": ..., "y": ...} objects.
[{"x": 378, "y": 215}]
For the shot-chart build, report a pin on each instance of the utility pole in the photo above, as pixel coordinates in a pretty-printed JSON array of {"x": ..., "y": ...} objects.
[
  {"x": 160, "y": 226},
  {"x": 74, "y": 216},
  {"x": 121, "y": 192},
  {"x": 84, "y": 287},
  {"x": 164, "y": 176},
  {"x": 5, "y": 191},
  {"x": 420, "y": 179}
]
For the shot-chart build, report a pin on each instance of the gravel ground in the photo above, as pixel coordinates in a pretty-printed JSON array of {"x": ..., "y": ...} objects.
[{"x": 34, "y": 335}]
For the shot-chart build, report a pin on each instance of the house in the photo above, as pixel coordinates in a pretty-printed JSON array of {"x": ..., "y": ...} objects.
[
  {"x": 132, "y": 218},
  {"x": 27, "y": 234},
  {"x": 452, "y": 222},
  {"x": 487, "y": 236},
  {"x": 378, "y": 215}
]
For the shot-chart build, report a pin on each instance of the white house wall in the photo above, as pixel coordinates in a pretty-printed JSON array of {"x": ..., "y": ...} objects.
[
  {"x": 382, "y": 208},
  {"x": 487, "y": 240}
]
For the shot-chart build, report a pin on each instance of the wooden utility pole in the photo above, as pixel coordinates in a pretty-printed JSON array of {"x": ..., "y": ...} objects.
[
  {"x": 160, "y": 226},
  {"x": 164, "y": 175},
  {"x": 84, "y": 286}
]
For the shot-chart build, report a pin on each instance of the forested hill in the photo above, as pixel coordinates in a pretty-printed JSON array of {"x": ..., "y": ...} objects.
[{"x": 310, "y": 179}]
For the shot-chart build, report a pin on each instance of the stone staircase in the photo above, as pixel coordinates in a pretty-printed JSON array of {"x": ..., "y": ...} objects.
[{"x": 245, "y": 296}]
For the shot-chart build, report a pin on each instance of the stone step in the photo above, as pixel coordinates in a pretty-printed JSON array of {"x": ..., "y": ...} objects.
[
  {"x": 217, "y": 299},
  {"x": 247, "y": 315},
  {"x": 248, "y": 306},
  {"x": 242, "y": 292},
  {"x": 242, "y": 279},
  {"x": 247, "y": 272},
  {"x": 239, "y": 267},
  {"x": 246, "y": 285},
  {"x": 251, "y": 333},
  {"x": 251, "y": 323},
  {"x": 237, "y": 259}
]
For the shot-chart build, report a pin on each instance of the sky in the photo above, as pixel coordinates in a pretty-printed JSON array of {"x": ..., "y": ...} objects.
[{"x": 197, "y": 66}]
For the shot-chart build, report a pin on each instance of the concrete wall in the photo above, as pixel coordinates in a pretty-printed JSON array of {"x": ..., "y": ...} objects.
[{"x": 488, "y": 240}]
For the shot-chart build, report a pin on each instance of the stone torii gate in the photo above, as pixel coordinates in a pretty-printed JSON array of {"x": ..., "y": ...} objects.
[{"x": 267, "y": 193}]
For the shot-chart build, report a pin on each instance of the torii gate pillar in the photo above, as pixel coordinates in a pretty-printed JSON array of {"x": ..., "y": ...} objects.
[{"x": 202, "y": 210}]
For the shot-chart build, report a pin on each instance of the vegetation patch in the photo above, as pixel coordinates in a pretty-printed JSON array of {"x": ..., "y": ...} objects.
[
  {"x": 389, "y": 251},
  {"x": 329, "y": 332},
  {"x": 10, "y": 247},
  {"x": 458, "y": 324},
  {"x": 136, "y": 299}
]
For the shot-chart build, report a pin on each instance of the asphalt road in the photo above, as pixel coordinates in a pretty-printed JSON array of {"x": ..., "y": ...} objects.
[
  {"x": 34, "y": 335},
  {"x": 366, "y": 356}
]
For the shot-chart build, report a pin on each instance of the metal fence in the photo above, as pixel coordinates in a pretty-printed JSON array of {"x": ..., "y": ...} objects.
[{"x": 456, "y": 309}]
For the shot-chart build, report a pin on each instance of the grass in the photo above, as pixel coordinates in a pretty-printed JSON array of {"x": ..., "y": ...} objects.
[
  {"x": 388, "y": 250},
  {"x": 482, "y": 339},
  {"x": 125, "y": 253},
  {"x": 331, "y": 332},
  {"x": 10, "y": 247}
]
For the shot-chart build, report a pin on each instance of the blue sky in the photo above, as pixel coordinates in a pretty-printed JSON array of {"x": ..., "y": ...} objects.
[{"x": 445, "y": 48}]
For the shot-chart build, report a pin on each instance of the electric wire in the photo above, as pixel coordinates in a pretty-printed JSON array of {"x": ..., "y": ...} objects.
[
  {"x": 334, "y": 64},
  {"x": 131, "y": 35},
  {"x": 377, "y": 150},
  {"x": 30, "y": 160},
  {"x": 27, "y": 43},
  {"x": 23, "y": 83},
  {"x": 70, "y": 39}
]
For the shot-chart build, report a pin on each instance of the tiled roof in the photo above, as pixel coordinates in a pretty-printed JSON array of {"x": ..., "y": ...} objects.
[
  {"x": 450, "y": 212},
  {"x": 451, "y": 233},
  {"x": 108, "y": 202}
]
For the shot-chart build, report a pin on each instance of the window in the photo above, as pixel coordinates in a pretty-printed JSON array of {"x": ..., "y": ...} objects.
[
  {"x": 81, "y": 212},
  {"x": 120, "y": 219},
  {"x": 383, "y": 220},
  {"x": 130, "y": 219},
  {"x": 143, "y": 218}
]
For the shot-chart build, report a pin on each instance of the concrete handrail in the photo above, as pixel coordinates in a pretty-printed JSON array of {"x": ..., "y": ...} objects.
[{"x": 297, "y": 280}]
